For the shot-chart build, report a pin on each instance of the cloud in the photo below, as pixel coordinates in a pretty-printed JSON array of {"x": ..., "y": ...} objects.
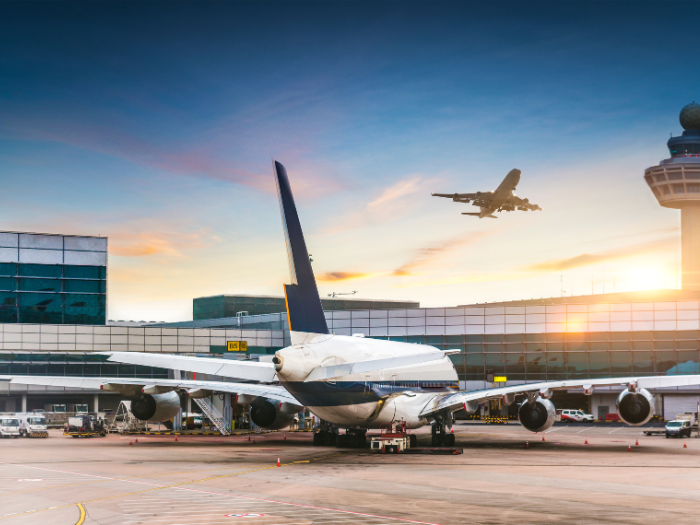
[
  {"x": 589, "y": 259},
  {"x": 145, "y": 244},
  {"x": 343, "y": 276},
  {"x": 396, "y": 191},
  {"x": 426, "y": 255}
]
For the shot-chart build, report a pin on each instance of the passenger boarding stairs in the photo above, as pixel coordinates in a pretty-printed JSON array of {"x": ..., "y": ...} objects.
[{"x": 214, "y": 415}]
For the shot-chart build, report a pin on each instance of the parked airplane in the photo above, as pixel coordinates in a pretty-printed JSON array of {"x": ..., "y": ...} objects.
[
  {"x": 355, "y": 383},
  {"x": 503, "y": 199}
]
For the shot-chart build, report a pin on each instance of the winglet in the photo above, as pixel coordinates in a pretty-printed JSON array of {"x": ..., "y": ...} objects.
[{"x": 304, "y": 310}]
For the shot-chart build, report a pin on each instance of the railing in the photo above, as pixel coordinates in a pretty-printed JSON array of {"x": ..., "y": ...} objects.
[{"x": 214, "y": 415}]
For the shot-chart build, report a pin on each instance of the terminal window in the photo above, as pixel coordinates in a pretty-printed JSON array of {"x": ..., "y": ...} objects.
[{"x": 53, "y": 294}]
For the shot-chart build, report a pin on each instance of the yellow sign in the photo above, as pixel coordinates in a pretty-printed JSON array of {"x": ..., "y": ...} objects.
[
  {"x": 496, "y": 379},
  {"x": 237, "y": 346}
]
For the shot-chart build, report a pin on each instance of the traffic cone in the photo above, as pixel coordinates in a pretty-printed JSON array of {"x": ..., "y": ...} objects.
[
  {"x": 278, "y": 462},
  {"x": 285, "y": 438},
  {"x": 175, "y": 438},
  {"x": 542, "y": 437},
  {"x": 248, "y": 437},
  {"x": 586, "y": 443},
  {"x": 637, "y": 443},
  {"x": 130, "y": 443},
  {"x": 136, "y": 440},
  {"x": 253, "y": 442},
  {"x": 629, "y": 448},
  {"x": 685, "y": 445},
  {"x": 527, "y": 444}
]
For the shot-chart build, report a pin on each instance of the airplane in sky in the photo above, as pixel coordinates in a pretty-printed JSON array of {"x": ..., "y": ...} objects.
[
  {"x": 349, "y": 382},
  {"x": 503, "y": 199}
]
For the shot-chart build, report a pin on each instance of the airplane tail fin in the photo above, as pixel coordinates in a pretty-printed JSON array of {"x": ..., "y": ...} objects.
[{"x": 304, "y": 310}]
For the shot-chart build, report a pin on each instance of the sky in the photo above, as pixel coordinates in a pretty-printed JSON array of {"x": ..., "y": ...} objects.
[{"x": 154, "y": 124}]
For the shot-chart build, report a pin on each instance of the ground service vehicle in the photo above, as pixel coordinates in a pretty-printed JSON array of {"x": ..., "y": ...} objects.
[
  {"x": 678, "y": 428},
  {"x": 32, "y": 424},
  {"x": 574, "y": 416},
  {"x": 85, "y": 426},
  {"x": 9, "y": 426}
]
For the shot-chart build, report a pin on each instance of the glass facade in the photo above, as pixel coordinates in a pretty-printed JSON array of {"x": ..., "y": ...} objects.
[
  {"x": 72, "y": 364},
  {"x": 223, "y": 306},
  {"x": 52, "y": 294},
  {"x": 52, "y": 279}
]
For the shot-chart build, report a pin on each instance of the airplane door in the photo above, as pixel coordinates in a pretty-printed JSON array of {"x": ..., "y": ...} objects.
[{"x": 367, "y": 384}]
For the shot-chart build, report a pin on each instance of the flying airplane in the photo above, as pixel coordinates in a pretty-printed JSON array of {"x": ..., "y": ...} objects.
[
  {"x": 352, "y": 383},
  {"x": 503, "y": 199}
]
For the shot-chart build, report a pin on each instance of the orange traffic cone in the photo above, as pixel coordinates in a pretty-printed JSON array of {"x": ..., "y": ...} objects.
[
  {"x": 685, "y": 445},
  {"x": 130, "y": 443},
  {"x": 278, "y": 462},
  {"x": 175, "y": 438},
  {"x": 285, "y": 438},
  {"x": 543, "y": 438},
  {"x": 586, "y": 443},
  {"x": 637, "y": 443},
  {"x": 527, "y": 444},
  {"x": 629, "y": 448},
  {"x": 136, "y": 440}
]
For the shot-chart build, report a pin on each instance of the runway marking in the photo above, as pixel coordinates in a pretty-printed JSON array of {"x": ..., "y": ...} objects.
[
  {"x": 619, "y": 428},
  {"x": 179, "y": 486}
]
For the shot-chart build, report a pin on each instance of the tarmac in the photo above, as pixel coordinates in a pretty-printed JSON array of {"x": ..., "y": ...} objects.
[{"x": 505, "y": 475}]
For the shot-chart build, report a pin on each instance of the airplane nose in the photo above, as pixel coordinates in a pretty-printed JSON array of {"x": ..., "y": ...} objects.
[{"x": 515, "y": 174}]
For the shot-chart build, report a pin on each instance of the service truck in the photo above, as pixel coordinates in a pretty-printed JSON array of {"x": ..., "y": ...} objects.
[
  {"x": 9, "y": 426},
  {"x": 32, "y": 424}
]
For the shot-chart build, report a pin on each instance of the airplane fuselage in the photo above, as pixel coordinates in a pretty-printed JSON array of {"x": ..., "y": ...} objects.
[
  {"x": 367, "y": 400},
  {"x": 503, "y": 192}
]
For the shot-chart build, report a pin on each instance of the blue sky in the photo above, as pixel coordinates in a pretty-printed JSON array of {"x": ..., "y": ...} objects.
[{"x": 155, "y": 123}]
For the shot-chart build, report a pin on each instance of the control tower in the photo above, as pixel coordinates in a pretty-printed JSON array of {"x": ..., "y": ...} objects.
[{"x": 676, "y": 184}]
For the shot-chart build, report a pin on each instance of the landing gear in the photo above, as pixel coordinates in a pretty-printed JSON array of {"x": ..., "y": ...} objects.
[
  {"x": 326, "y": 436},
  {"x": 353, "y": 438},
  {"x": 442, "y": 435}
]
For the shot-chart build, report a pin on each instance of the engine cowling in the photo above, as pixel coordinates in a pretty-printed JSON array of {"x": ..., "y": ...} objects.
[
  {"x": 156, "y": 407},
  {"x": 537, "y": 416},
  {"x": 271, "y": 414},
  {"x": 635, "y": 408}
]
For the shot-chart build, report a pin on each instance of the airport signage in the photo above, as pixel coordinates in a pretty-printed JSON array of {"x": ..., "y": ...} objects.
[
  {"x": 237, "y": 346},
  {"x": 500, "y": 379}
]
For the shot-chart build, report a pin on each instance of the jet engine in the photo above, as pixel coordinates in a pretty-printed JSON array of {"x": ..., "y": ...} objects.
[
  {"x": 538, "y": 415},
  {"x": 155, "y": 407},
  {"x": 635, "y": 408},
  {"x": 271, "y": 414}
]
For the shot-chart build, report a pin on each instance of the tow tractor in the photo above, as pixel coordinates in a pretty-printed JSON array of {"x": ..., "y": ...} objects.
[
  {"x": 85, "y": 426},
  {"x": 394, "y": 440}
]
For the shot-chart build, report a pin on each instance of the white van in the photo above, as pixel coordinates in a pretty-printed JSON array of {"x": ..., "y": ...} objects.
[
  {"x": 31, "y": 422},
  {"x": 9, "y": 426}
]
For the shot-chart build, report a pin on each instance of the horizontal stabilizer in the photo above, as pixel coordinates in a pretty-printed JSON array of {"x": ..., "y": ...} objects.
[
  {"x": 323, "y": 373},
  {"x": 248, "y": 370}
]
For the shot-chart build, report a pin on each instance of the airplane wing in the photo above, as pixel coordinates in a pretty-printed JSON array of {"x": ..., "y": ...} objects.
[
  {"x": 457, "y": 197},
  {"x": 246, "y": 370},
  {"x": 154, "y": 386},
  {"x": 457, "y": 401},
  {"x": 522, "y": 204}
]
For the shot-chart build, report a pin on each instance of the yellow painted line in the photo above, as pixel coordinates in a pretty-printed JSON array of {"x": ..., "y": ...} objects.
[{"x": 82, "y": 514}]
